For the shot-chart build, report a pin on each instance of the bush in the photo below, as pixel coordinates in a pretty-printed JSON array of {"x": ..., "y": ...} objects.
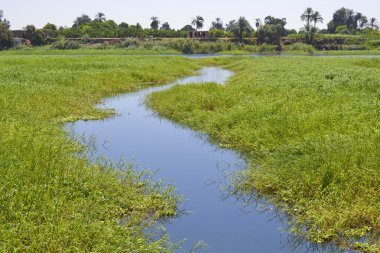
[
  {"x": 65, "y": 45},
  {"x": 341, "y": 28},
  {"x": 374, "y": 43},
  {"x": 129, "y": 43},
  {"x": 250, "y": 48},
  {"x": 6, "y": 38},
  {"x": 265, "y": 48},
  {"x": 300, "y": 47},
  {"x": 345, "y": 31},
  {"x": 217, "y": 33}
]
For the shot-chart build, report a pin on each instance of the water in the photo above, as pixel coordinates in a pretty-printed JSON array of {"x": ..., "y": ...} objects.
[{"x": 194, "y": 166}]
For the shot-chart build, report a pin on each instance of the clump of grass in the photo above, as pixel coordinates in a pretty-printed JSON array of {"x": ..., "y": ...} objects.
[
  {"x": 65, "y": 45},
  {"x": 52, "y": 198},
  {"x": 310, "y": 127},
  {"x": 265, "y": 48},
  {"x": 300, "y": 47}
]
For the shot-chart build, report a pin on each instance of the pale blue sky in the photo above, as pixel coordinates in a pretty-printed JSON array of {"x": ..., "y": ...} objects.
[{"x": 178, "y": 13}]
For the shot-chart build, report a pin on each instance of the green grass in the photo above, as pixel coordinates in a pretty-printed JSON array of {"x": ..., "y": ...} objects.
[
  {"x": 46, "y": 50},
  {"x": 310, "y": 128},
  {"x": 52, "y": 199},
  {"x": 349, "y": 52}
]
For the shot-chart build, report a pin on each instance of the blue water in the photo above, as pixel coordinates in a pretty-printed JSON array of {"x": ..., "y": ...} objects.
[{"x": 195, "y": 167}]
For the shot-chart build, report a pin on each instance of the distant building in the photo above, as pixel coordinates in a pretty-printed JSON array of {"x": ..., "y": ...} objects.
[{"x": 198, "y": 35}]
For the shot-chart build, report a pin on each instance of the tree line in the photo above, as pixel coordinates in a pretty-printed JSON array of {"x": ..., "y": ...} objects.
[{"x": 270, "y": 30}]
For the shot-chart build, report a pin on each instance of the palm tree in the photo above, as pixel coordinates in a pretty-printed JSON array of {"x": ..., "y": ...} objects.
[
  {"x": 258, "y": 23},
  {"x": 307, "y": 16},
  {"x": 239, "y": 27},
  {"x": 360, "y": 20},
  {"x": 100, "y": 16},
  {"x": 217, "y": 24},
  {"x": 350, "y": 19},
  {"x": 317, "y": 18},
  {"x": 198, "y": 22},
  {"x": 155, "y": 23},
  {"x": 373, "y": 24},
  {"x": 244, "y": 26}
]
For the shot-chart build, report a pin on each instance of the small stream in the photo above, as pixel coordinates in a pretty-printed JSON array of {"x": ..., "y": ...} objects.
[{"x": 195, "y": 167}]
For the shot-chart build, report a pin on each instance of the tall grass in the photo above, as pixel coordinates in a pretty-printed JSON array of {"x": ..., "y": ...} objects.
[
  {"x": 311, "y": 129},
  {"x": 51, "y": 198}
]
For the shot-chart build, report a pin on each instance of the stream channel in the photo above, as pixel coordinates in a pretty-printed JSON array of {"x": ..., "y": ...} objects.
[{"x": 195, "y": 167}]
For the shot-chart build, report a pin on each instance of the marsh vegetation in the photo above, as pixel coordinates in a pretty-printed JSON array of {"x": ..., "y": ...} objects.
[
  {"x": 310, "y": 128},
  {"x": 51, "y": 197}
]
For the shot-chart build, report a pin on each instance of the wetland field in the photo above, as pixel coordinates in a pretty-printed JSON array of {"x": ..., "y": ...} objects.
[{"x": 307, "y": 127}]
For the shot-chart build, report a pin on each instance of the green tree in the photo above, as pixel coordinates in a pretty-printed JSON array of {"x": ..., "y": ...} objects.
[
  {"x": 4, "y": 22},
  {"x": 198, "y": 22},
  {"x": 36, "y": 37},
  {"x": 359, "y": 21},
  {"x": 347, "y": 17},
  {"x": 50, "y": 26},
  {"x": 307, "y": 16},
  {"x": 257, "y": 23},
  {"x": 83, "y": 19},
  {"x": 269, "y": 34},
  {"x": 269, "y": 20},
  {"x": 239, "y": 27},
  {"x": 100, "y": 17},
  {"x": 165, "y": 26},
  {"x": 155, "y": 23},
  {"x": 217, "y": 24},
  {"x": 317, "y": 18},
  {"x": 50, "y": 30},
  {"x": 6, "y": 36},
  {"x": 217, "y": 33},
  {"x": 373, "y": 24},
  {"x": 123, "y": 25},
  {"x": 187, "y": 28},
  {"x": 311, "y": 18}
]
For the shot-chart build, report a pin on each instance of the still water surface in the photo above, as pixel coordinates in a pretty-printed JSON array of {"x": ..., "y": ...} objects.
[{"x": 194, "y": 166}]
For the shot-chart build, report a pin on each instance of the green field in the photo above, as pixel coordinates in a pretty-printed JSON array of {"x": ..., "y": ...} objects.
[
  {"x": 51, "y": 198},
  {"x": 310, "y": 128}
]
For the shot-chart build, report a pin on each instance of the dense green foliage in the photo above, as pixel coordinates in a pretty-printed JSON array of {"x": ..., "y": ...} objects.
[
  {"x": 6, "y": 37},
  {"x": 51, "y": 198},
  {"x": 309, "y": 127},
  {"x": 36, "y": 36},
  {"x": 109, "y": 29},
  {"x": 350, "y": 21},
  {"x": 65, "y": 45}
]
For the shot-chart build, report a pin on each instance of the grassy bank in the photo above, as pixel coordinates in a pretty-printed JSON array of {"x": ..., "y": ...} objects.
[
  {"x": 247, "y": 50},
  {"x": 51, "y": 198},
  {"x": 311, "y": 129}
]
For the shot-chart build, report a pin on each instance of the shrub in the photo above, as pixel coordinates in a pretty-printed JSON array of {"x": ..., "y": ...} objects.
[
  {"x": 6, "y": 38},
  {"x": 250, "y": 48},
  {"x": 374, "y": 43},
  {"x": 300, "y": 47},
  {"x": 129, "y": 43},
  {"x": 340, "y": 28},
  {"x": 217, "y": 33},
  {"x": 65, "y": 45},
  {"x": 265, "y": 48}
]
